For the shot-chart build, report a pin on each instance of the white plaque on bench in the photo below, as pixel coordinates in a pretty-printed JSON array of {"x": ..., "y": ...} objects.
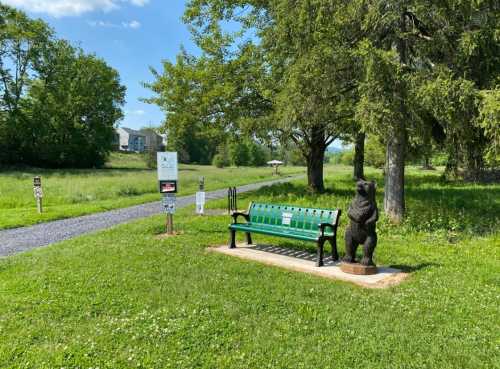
[{"x": 286, "y": 218}]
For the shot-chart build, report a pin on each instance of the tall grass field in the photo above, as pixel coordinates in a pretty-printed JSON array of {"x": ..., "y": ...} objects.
[
  {"x": 129, "y": 298},
  {"x": 124, "y": 182}
]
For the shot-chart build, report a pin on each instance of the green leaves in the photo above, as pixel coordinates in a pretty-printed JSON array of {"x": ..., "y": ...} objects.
[{"x": 58, "y": 105}]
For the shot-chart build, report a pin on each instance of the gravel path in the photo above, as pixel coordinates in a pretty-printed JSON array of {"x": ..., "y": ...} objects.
[{"x": 13, "y": 241}]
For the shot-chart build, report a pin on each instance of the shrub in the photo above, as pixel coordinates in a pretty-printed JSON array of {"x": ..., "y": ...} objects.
[{"x": 219, "y": 161}]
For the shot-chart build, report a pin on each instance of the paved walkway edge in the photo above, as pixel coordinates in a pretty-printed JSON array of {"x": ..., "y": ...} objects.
[{"x": 302, "y": 261}]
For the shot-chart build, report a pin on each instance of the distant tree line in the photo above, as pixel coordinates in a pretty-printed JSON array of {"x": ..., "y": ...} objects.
[
  {"x": 58, "y": 105},
  {"x": 414, "y": 76}
]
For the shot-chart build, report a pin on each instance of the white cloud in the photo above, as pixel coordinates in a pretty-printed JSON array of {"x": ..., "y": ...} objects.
[
  {"x": 139, "y": 2},
  {"x": 135, "y": 112},
  {"x": 61, "y": 8},
  {"x": 99, "y": 23},
  {"x": 132, "y": 24}
]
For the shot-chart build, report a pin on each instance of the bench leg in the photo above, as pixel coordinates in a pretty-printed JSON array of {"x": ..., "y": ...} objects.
[
  {"x": 319, "y": 261},
  {"x": 249, "y": 238},
  {"x": 232, "y": 239},
  {"x": 335, "y": 254}
]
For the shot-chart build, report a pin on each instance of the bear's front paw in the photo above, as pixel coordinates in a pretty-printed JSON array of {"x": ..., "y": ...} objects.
[{"x": 366, "y": 261}]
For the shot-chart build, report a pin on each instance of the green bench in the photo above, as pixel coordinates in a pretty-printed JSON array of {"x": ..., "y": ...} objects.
[{"x": 289, "y": 221}]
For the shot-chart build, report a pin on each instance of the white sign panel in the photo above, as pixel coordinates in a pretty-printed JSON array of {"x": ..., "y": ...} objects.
[
  {"x": 287, "y": 218},
  {"x": 167, "y": 166},
  {"x": 37, "y": 191},
  {"x": 168, "y": 202},
  {"x": 200, "y": 202}
]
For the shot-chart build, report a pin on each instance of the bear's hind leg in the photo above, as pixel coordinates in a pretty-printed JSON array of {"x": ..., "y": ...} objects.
[
  {"x": 350, "y": 247},
  {"x": 368, "y": 249}
]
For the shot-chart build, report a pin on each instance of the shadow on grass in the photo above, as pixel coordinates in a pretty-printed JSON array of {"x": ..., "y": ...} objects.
[
  {"x": 295, "y": 253},
  {"x": 414, "y": 268}
]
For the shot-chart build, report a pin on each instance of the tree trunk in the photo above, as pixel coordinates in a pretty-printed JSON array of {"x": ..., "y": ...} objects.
[
  {"x": 474, "y": 160},
  {"x": 427, "y": 162},
  {"x": 315, "y": 158},
  {"x": 359, "y": 156},
  {"x": 394, "y": 194}
]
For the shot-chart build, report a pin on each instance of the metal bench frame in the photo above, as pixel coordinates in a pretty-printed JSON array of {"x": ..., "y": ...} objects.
[{"x": 321, "y": 227}]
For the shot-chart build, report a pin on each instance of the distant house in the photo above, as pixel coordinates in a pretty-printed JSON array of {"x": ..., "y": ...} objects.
[
  {"x": 154, "y": 141},
  {"x": 130, "y": 140}
]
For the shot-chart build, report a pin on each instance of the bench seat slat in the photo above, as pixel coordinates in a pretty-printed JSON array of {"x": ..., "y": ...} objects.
[{"x": 281, "y": 231}]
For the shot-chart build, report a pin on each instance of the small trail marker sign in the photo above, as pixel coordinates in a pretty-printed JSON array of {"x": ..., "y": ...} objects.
[
  {"x": 200, "y": 197},
  {"x": 167, "y": 183},
  {"x": 38, "y": 193},
  {"x": 200, "y": 202}
]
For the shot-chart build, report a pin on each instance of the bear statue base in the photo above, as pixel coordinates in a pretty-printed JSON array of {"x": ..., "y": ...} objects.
[{"x": 358, "y": 269}]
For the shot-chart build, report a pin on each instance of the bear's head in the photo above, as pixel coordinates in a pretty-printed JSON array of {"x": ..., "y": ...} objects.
[{"x": 366, "y": 189}]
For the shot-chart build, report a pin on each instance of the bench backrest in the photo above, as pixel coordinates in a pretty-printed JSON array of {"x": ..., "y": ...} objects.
[{"x": 293, "y": 216}]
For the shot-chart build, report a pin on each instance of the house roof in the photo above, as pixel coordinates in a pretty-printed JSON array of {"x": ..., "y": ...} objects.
[{"x": 131, "y": 131}]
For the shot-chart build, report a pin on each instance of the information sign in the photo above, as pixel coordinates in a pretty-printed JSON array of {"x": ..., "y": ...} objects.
[
  {"x": 167, "y": 166},
  {"x": 168, "y": 202}
]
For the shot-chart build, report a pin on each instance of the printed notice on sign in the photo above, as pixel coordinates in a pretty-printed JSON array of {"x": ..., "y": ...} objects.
[
  {"x": 287, "y": 218},
  {"x": 167, "y": 166}
]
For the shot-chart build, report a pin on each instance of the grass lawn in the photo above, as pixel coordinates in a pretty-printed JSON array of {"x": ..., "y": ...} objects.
[
  {"x": 124, "y": 182},
  {"x": 123, "y": 298}
]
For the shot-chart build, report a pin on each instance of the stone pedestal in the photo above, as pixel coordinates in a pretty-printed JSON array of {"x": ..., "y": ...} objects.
[{"x": 358, "y": 269}]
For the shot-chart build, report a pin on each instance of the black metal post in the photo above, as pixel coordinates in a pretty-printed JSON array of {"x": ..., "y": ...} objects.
[
  {"x": 232, "y": 239},
  {"x": 321, "y": 243},
  {"x": 231, "y": 200}
]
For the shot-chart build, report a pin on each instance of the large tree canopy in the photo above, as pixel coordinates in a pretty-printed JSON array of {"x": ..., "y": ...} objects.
[
  {"x": 310, "y": 71},
  {"x": 58, "y": 105}
]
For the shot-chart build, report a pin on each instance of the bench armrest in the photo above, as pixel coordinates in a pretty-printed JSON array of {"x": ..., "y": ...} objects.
[
  {"x": 236, "y": 214},
  {"x": 322, "y": 227}
]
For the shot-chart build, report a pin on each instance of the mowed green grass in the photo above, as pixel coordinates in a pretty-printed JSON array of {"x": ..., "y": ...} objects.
[
  {"x": 125, "y": 298},
  {"x": 125, "y": 182}
]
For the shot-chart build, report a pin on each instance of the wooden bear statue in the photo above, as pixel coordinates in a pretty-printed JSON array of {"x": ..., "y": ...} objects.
[{"x": 363, "y": 215}]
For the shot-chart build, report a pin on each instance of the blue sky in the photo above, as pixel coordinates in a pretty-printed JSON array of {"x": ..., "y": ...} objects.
[{"x": 130, "y": 35}]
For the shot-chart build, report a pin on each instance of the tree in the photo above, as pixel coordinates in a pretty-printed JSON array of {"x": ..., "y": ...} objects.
[
  {"x": 194, "y": 99},
  {"x": 258, "y": 154},
  {"x": 22, "y": 41},
  {"x": 75, "y": 102},
  {"x": 317, "y": 62},
  {"x": 58, "y": 105},
  {"x": 239, "y": 154},
  {"x": 304, "y": 69}
]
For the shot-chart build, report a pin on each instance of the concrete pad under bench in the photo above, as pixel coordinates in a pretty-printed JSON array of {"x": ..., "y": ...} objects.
[{"x": 305, "y": 262}]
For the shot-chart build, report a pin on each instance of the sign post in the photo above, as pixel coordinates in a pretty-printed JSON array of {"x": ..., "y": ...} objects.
[
  {"x": 167, "y": 178},
  {"x": 38, "y": 193},
  {"x": 200, "y": 197}
]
